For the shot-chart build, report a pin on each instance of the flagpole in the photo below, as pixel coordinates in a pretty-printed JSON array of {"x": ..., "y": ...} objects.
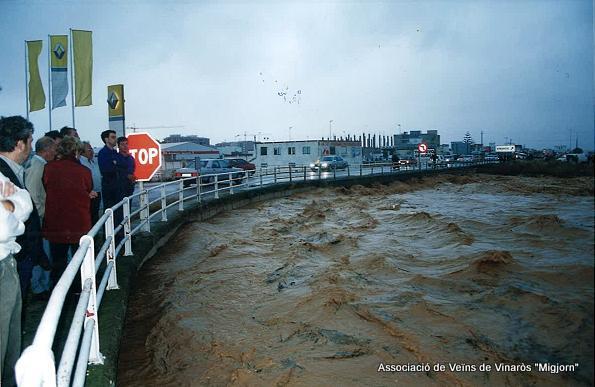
[
  {"x": 26, "y": 85},
  {"x": 49, "y": 79},
  {"x": 72, "y": 76}
]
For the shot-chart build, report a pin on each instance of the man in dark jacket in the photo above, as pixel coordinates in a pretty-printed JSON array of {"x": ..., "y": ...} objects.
[
  {"x": 16, "y": 135},
  {"x": 107, "y": 158},
  {"x": 125, "y": 167}
]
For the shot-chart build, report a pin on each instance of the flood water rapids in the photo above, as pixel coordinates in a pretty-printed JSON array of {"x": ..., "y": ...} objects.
[{"x": 328, "y": 286}]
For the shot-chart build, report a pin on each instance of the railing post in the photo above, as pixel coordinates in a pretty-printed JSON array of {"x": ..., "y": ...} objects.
[
  {"x": 144, "y": 205},
  {"x": 110, "y": 254},
  {"x": 231, "y": 183},
  {"x": 198, "y": 182},
  {"x": 275, "y": 173},
  {"x": 260, "y": 174},
  {"x": 290, "y": 178},
  {"x": 216, "y": 186},
  {"x": 88, "y": 271},
  {"x": 335, "y": 172},
  {"x": 181, "y": 196},
  {"x": 128, "y": 242},
  {"x": 319, "y": 172},
  {"x": 360, "y": 169},
  {"x": 348, "y": 171},
  {"x": 382, "y": 169},
  {"x": 163, "y": 204},
  {"x": 304, "y": 173}
]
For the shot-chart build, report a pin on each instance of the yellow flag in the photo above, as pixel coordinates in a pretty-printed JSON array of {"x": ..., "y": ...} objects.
[
  {"x": 82, "y": 48},
  {"x": 36, "y": 94}
]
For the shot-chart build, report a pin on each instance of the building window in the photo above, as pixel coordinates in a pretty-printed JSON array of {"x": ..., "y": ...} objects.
[
  {"x": 277, "y": 151},
  {"x": 306, "y": 150},
  {"x": 263, "y": 151},
  {"x": 291, "y": 150},
  {"x": 332, "y": 152}
]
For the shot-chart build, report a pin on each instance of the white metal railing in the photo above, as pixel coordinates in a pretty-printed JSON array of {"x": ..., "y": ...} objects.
[{"x": 36, "y": 365}]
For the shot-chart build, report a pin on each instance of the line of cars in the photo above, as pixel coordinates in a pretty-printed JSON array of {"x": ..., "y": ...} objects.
[{"x": 207, "y": 168}]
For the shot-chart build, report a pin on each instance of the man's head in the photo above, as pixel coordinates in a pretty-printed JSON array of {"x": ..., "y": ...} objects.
[
  {"x": 45, "y": 147},
  {"x": 16, "y": 135},
  {"x": 123, "y": 145},
  {"x": 88, "y": 151},
  {"x": 68, "y": 131},
  {"x": 109, "y": 138},
  {"x": 55, "y": 135}
]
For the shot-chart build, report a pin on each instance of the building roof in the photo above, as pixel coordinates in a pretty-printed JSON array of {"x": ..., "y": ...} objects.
[
  {"x": 312, "y": 140},
  {"x": 186, "y": 146}
]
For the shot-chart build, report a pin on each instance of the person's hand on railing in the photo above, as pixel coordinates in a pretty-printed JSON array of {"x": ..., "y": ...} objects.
[
  {"x": 132, "y": 178},
  {"x": 92, "y": 195}
]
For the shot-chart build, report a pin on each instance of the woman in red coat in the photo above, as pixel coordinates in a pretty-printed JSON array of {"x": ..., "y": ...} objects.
[{"x": 68, "y": 187}]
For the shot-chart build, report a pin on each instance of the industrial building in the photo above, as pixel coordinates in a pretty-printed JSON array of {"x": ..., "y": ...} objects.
[{"x": 298, "y": 153}]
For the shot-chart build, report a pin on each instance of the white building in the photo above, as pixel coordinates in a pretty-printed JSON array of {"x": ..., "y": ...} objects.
[{"x": 298, "y": 153}]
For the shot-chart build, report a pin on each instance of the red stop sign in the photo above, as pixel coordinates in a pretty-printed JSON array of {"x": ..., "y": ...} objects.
[{"x": 147, "y": 155}]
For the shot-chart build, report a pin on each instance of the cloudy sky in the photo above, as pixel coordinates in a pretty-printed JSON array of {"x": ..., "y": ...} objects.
[{"x": 516, "y": 70}]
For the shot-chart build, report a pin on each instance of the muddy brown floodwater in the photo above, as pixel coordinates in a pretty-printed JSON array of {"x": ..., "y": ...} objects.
[{"x": 329, "y": 286}]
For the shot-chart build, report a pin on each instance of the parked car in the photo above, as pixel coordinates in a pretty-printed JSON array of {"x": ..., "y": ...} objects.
[
  {"x": 466, "y": 159},
  {"x": 410, "y": 161},
  {"x": 491, "y": 157},
  {"x": 219, "y": 166},
  {"x": 209, "y": 167},
  {"x": 328, "y": 163},
  {"x": 187, "y": 171},
  {"x": 243, "y": 164}
]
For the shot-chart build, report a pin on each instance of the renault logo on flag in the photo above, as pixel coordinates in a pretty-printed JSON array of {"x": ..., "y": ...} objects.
[
  {"x": 112, "y": 101},
  {"x": 59, "y": 51}
]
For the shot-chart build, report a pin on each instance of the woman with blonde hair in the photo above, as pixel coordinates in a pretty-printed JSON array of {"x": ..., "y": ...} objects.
[{"x": 69, "y": 190}]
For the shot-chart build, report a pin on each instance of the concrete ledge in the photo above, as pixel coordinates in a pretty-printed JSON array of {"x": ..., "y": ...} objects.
[{"x": 145, "y": 246}]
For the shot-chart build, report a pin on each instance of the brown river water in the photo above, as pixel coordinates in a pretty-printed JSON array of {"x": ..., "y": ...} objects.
[{"x": 375, "y": 286}]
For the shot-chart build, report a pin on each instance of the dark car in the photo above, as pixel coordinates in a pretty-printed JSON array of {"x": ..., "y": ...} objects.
[
  {"x": 243, "y": 164},
  {"x": 222, "y": 169}
]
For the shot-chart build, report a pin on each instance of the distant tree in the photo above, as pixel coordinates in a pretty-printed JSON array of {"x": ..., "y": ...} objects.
[{"x": 577, "y": 150}]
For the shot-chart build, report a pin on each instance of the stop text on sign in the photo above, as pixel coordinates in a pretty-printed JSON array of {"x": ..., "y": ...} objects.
[{"x": 145, "y": 156}]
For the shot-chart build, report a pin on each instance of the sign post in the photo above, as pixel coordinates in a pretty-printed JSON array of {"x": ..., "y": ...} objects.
[
  {"x": 115, "y": 108},
  {"x": 147, "y": 161},
  {"x": 421, "y": 148}
]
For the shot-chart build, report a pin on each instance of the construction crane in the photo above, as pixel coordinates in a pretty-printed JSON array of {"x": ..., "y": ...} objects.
[
  {"x": 255, "y": 136},
  {"x": 135, "y": 128}
]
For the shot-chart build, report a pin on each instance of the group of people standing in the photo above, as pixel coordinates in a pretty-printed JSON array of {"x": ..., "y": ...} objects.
[{"x": 48, "y": 201}]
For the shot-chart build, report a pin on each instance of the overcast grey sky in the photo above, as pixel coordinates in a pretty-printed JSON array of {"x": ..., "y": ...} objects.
[{"x": 521, "y": 70}]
